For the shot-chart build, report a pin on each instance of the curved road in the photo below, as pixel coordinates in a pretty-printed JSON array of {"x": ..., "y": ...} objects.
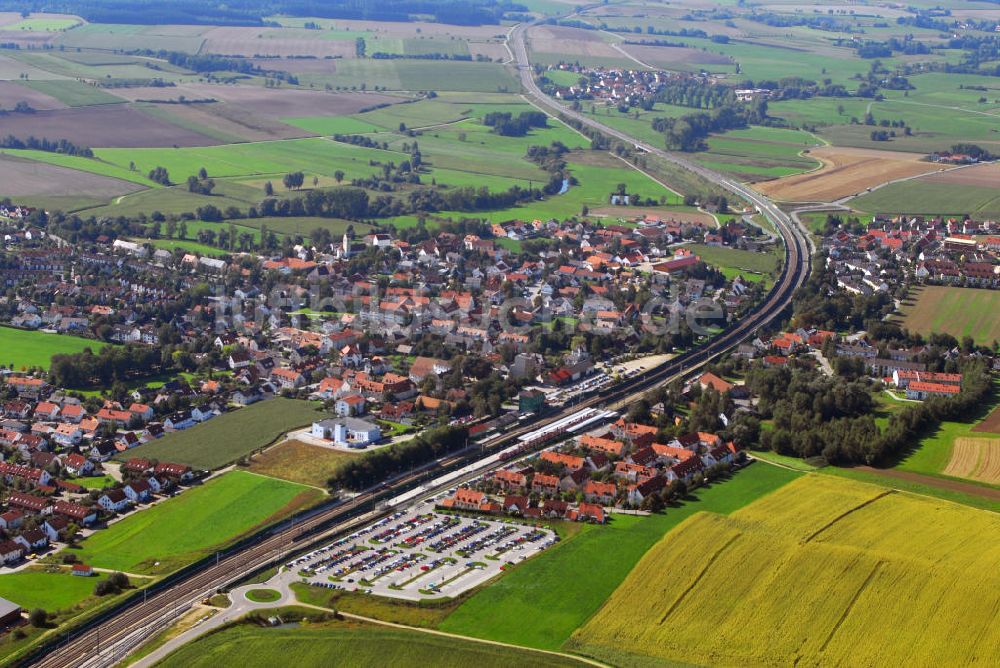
[{"x": 108, "y": 640}]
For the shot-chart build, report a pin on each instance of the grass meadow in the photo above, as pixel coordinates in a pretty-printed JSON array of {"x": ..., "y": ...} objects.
[
  {"x": 561, "y": 588},
  {"x": 226, "y": 438},
  {"x": 882, "y": 577},
  {"x": 22, "y": 349},
  {"x": 300, "y": 462},
  {"x": 193, "y": 524},
  {"x": 349, "y": 644}
]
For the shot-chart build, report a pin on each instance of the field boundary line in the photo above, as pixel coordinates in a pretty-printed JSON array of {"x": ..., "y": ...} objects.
[
  {"x": 851, "y": 604},
  {"x": 701, "y": 574},
  {"x": 445, "y": 634},
  {"x": 846, "y": 513}
]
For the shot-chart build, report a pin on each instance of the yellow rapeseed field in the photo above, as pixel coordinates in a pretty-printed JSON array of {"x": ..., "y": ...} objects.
[{"x": 825, "y": 571}]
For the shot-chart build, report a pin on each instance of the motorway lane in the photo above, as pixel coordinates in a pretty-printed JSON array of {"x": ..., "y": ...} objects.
[{"x": 138, "y": 622}]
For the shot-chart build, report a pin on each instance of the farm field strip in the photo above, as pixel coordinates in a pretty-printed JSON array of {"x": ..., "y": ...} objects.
[
  {"x": 882, "y": 577},
  {"x": 975, "y": 458},
  {"x": 226, "y": 438},
  {"x": 181, "y": 529},
  {"x": 956, "y": 311}
]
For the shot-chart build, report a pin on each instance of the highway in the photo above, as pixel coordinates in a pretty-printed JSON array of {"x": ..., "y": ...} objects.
[{"x": 108, "y": 639}]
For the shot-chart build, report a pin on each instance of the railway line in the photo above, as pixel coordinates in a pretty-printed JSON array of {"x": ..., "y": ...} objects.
[{"x": 107, "y": 639}]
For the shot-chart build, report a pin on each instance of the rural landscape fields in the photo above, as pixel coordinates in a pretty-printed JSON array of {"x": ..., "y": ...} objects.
[{"x": 262, "y": 139}]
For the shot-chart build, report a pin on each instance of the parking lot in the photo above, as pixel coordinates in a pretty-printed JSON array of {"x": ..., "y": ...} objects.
[{"x": 421, "y": 553}]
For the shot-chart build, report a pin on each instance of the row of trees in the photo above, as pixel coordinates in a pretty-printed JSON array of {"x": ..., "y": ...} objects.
[
  {"x": 376, "y": 466},
  {"x": 42, "y": 144}
]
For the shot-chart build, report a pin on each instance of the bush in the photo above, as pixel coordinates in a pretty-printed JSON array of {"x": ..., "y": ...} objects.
[{"x": 38, "y": 617}]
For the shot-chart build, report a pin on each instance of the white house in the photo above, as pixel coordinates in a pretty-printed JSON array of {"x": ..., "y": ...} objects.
[
  {"x": 351, "y": 405},
  {"x": 114, "y": 501},
  {"x": 348, "y": 431}
]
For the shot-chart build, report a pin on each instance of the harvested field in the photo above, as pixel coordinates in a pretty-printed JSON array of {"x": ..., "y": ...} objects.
[
  {"x": 12, "y": 69},
  {"x": 956, "y": 311},
  {"x": 569, "y": 42},
  {"x": 300, "y": 462},
  {"x": 235, "y": 41},
  {"x": 491, "y": 50},
  {"x": 986, "y": 176},
  {"x": 946, "y": 484},
  {"x": 26, "y": 178},
  {"x": 106, "y": 126},
  {"x": 976, "y": 459},
  {"x": 845, "y": 172},
  {"x": 229, "y": 123},
  {"x": 883, "y": 578},
  {"x": 991, "y": 424},
  {"x": 12, "y": 93},
  {"x": 631, "y": 212},
  {"x": 269, "y": 101},
  {"x": 298, "y": 65},
  {"x": 678, "y": 57}
]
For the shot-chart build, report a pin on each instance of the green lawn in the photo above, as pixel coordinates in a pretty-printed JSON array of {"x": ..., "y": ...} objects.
[
  {"x": 226, "y": 438},
  {"x": 22, "y": 349},
  {"x": 541, "y": 602},
  {"x": 182, "y": 529},
  {"x": 922, "y": 196},
  {"x": 732, "y": 261},
  {"x": 74, "y": 93},
  {"x": 349, "y": 644},
  {"x": 51, "y": 591}
]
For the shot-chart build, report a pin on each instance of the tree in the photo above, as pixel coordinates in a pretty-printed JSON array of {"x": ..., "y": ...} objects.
[
  {"x": 268, "y": 189},
  {"x": 293, "y": 180},
  {"x": 202, "y": 173},
  {"x": 339, "y": 175},
  {"x": 159, "y": 175},
  {"x": 38, "y": 617}
]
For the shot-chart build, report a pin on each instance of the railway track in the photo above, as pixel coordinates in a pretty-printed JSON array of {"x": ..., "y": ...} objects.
[{"x": 108, "y": 639}]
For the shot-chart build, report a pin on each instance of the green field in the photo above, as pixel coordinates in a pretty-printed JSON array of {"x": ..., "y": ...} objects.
[
  {"x": 921, "y": 196},
  {"x": 226, "y": 438},
  {"x": 733, "y": 261},
  {"x": 349, "y": 644},
  {"x": 883, "y": 578},
  {"x": 51, "y": 591},
  {"x": 561, "y": 588},
  {"x": 957, "y": 311},
  {"x": 22, "y": 349},
  {"x": 195, "y": 523},
  {"x": 74, "y": 93}
]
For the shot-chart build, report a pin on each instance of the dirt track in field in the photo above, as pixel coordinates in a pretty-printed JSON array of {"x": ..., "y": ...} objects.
[
  {"x": 845, "y": 172},
  {"x": 940, "y": 483}
]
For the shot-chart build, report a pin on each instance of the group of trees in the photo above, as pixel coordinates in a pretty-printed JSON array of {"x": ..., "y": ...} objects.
[
  {"x": 159, "y": 175},
  {"x": 378, "y": 465},
  {"x": 506, "y": 124},
  {"x": 111, "y": 364},
  {"x": 200, "y": 184},
  {"x": 689, "y": 132},
  {"x": 42, "y": 144},
  {"x": 818, "y": 303}
]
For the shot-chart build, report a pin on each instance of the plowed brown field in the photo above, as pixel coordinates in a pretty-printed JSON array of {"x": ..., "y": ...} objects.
[{"x": 845, "y": 172}]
